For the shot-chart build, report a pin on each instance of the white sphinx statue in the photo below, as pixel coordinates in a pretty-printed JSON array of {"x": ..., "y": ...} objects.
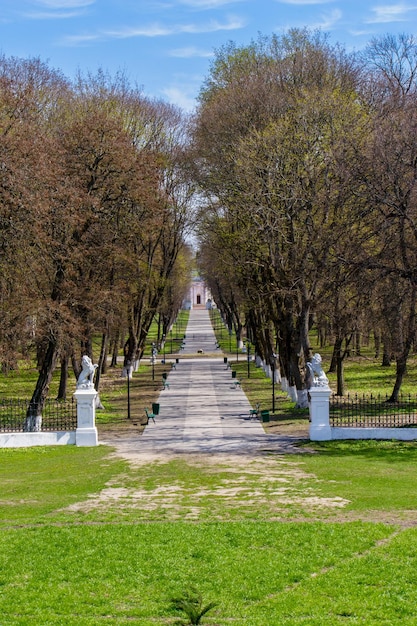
[
  {"x": 85, "y": 379},
  {"x": 316, "y": 376}
]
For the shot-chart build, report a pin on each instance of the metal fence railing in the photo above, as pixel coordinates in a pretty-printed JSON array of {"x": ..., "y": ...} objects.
[
  {"x": 369, "y": 411},
  {"x": 57, "y": 415}
]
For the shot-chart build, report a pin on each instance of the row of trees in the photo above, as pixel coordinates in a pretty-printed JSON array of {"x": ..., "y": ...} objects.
[
  {"x": 307, "y": 159},
  {"x": 94, "y": 212},
  {"x": 303, "y": 159}
]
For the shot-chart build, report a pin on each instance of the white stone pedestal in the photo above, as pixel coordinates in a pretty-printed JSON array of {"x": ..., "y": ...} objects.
[
  {"x": 319, "y": 406},
  {"x": 86, "y": 432}
]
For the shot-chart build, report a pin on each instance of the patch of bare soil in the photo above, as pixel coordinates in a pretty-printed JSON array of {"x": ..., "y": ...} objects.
[
  {"x": 287, "y": 425},
  {"x": 242, "y": 486}
]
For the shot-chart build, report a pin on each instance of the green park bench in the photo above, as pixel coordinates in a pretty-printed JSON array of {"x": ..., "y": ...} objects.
[{"x": 149, "y": 415}]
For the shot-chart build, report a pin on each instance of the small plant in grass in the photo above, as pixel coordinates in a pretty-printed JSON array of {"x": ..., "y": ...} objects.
[{"x": 191, "y": 604}]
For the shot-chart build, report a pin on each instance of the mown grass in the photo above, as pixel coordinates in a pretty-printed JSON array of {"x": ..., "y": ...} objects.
[
  {"x": 120, "y": 561},
  {"x": 127, "y": 574},
  {"x": 37, "y": 481},
  {"x": 345, "y": 466}
]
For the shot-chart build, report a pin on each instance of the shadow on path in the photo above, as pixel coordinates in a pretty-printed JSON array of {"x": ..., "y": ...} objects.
[{"x": 202, "y": 410}]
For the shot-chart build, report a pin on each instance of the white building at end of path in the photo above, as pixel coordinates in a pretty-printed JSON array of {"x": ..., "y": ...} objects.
[{"x": 199, "y": 295}]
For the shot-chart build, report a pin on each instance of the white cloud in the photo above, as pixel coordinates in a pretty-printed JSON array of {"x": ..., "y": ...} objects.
[
  {"x": 181, "y": 97},
  {"x": 391, "y": 13},
  {"x": 304, "y": 2},
  {"x": 156, "y": 30},
  {"x": 79, "y": 40},
  {"x": 44, "y": 15},
  {"x": 153, "y": 30},
  {"x": 58, "y": 9},
  {"x": 328, "y": 20},
  {"x": 207, "y": 4},
  {"x": 65, "y": 4},
  {"x": 191, "y": 52}
]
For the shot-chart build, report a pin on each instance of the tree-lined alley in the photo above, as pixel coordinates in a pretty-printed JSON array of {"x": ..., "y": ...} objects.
[{"x": 301, "y": 161}]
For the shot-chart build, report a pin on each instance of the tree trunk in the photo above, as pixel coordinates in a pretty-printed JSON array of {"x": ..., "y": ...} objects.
[
  {"x": 303, "y": 330},
  {"x": 386, "y": 359},
  {"x": 387, "y": 351},
  {"x": 76, "y": 368},
  {"x": 402, "y": 358},
  {"x": 104, "y": 364},
  {"x": 34, "y": 413},
  {"x": 340, "y": 357},
  {"x": 130, "y": 350},
  {"x": 357, "y": 343},
  {"x": 401, "y": 362},
  {"x": 340, "y": 374},
  {"x": 103, "y": 357},
  {"x": 337, "y": 349},
  {"x": 62, "y": 391},
  {"x": 377, "y": 342},
  {"x": 114, "y": 349}
]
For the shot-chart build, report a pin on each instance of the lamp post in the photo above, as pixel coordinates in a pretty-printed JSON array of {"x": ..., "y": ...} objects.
[
  {"x": 248, "y": 357},
  {"x": 230, "y": 339},
  {"x": 273, "y": 380},
  {"x": 163, "y": 342},
  {"x": 128, "y": 364},
  {"x": 153, "y": 360},
  {"x": 171, "y": 339}
]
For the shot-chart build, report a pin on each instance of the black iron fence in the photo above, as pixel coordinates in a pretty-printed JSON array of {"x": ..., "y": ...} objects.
[
  {"x": 369, "y": 411},
  {"x": 57, "y": 415}
]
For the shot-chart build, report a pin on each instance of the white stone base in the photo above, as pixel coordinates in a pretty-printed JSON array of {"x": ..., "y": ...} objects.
[
  {"x": 400, "y": 434},
  {"x": 320, "y": 432},
  {"x": 86, "y": 436},
  {"x": 86, "y": 433},
  {"x": 27, "y": 440}
]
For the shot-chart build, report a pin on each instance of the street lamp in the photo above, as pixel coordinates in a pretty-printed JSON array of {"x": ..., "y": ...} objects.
[
  {"x": 154, "y": 353},
  {"x": 274, "y": 356},
  {"x": 230, "y": 338},
  {"x": 163, "y": 342},
  {"x": 128, "y": 364}
]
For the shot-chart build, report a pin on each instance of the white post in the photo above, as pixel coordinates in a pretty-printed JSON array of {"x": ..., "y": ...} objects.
[
  {"x": 319, "y": 405},
  {"x": 86, "y": 432}
]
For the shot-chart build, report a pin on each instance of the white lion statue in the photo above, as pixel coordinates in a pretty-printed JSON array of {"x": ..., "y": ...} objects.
[
  {"x": 317, "y": 377},
  {"x": 85, "y": 379}
]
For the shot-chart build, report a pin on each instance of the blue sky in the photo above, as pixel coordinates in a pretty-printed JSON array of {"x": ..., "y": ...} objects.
[{"x": 165, "y": 46}]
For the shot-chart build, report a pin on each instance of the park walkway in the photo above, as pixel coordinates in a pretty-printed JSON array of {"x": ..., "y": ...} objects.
[{"x": 202, "y": 411}]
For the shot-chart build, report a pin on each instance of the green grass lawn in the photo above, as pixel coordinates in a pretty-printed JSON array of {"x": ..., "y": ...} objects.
[{"x": 323, "y": 537}]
